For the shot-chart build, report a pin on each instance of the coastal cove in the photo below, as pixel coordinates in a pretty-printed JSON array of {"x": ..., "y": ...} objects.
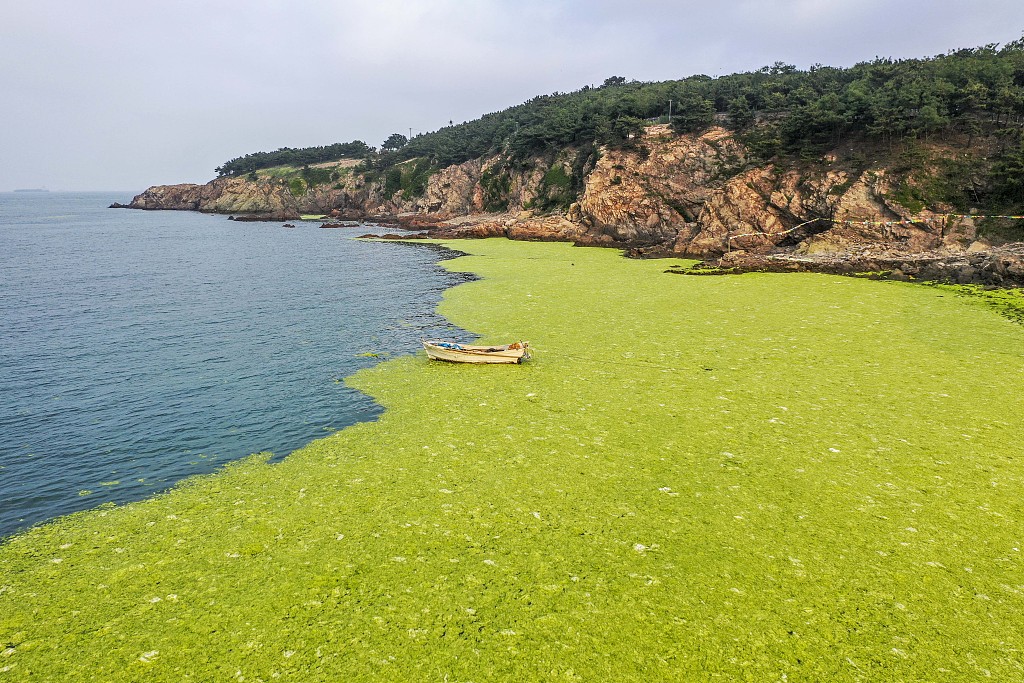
[
  {"x": 140, "y": 348},
  {"x": 742, "y": 477}
]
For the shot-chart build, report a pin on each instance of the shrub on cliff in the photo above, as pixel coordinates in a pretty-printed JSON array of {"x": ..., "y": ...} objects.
[
  {"x": 318, "y": 176},
  {"x": 414, "y": 179},
  {"x": 392, "y": 182},
  {"x": 496, "y": 183}
]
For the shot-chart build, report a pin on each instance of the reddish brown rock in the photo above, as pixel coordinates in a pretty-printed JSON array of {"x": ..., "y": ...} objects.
[{"x": 683, "y": 194}]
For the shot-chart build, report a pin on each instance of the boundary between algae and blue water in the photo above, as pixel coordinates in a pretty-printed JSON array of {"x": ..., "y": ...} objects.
[
  {"x": 764, "y": 475},
  {"x": 453, "y": 278}
]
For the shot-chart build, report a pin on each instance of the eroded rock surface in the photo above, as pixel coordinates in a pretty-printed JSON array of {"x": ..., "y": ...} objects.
[{"x": 697, "y": 195}]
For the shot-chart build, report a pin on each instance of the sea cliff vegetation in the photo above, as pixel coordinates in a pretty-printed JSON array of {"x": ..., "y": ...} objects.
[
  {"x": 288, "y": 156},
  {"x": 759, "y": 477},
  {"x": 974, "y": 95},
  {"x": 881, "y": 160}
]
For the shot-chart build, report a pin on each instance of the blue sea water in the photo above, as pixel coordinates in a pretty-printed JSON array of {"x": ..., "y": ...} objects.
[{"x": 138, "y": 348}]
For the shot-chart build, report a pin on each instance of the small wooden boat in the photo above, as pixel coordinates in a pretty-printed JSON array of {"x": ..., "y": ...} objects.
[{"x": 468, "y": 353}]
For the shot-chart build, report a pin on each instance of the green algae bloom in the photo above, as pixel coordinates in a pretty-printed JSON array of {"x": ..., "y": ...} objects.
[
  {"x": 1008, "y": 302},
  {"x": 759, "y": 477}
]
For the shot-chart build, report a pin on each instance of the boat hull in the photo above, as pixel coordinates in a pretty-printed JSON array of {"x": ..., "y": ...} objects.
[{"x": 466, "y": 353}]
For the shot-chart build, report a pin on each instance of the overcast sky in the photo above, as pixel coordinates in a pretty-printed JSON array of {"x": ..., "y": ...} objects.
[{"x": 119, "y": 94}]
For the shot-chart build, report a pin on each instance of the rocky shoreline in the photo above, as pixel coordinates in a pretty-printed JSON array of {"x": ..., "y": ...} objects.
[
  {"x": 979, "y": 264},
  {"x": 995, "y": 267},
  {"x": 696, "y": 196}
]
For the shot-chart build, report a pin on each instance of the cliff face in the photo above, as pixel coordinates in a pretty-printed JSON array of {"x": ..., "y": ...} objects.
[
  {"x": 701, "y": 196},
  {"x": 261, "y": 198},
  {"x": 695, "y": 195},
  {"x": 224, "y": 195},
  {"x": 635, "y": 198},
  {"x": 184, "y": 197},
  {"x": 452, "y": 191}
]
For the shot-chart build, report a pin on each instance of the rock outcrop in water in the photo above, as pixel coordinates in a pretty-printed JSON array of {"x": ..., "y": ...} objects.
[
  {"x": 695, "y": 195},
  {"x": 224, "y": 195}
]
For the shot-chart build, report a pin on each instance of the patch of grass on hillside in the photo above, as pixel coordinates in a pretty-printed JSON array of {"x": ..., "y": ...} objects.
[
  {"x": 277, "y": 172},
  {"x": 310, "y": 176},
  {"x": 318, "y": 176},
  {"x": 767, "y": 477}
]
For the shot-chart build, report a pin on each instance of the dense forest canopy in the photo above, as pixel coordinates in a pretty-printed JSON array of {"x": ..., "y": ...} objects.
[{"x": 778, "y": 110}]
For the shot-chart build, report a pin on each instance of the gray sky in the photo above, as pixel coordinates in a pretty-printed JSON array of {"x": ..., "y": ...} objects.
[{"x": 119, "y": 94}]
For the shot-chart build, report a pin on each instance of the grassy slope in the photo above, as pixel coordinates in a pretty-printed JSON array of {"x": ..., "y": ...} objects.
[{"x": 741, "y": 477}]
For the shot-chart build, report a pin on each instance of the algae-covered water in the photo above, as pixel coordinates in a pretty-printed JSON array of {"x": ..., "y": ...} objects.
[
  {"x": 141, "y": 347},
  {"x": 758, "y": 477}
]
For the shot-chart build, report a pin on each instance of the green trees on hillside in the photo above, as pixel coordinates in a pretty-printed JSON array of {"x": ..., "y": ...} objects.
[
  {"x": 394, "y": 141},
  {"x": 695, "y": 113},
  {"x": 776, "y": 110},
  {"x": 287, "y": 156},
  {"x": 1008, "y": 175}
]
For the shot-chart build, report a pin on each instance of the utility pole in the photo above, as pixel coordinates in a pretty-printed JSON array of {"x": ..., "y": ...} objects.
[{"x": 670, "y": 112}]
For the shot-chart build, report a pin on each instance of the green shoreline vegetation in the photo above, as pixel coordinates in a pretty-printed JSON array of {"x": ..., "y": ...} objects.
[{"x": 759, "y": 477}]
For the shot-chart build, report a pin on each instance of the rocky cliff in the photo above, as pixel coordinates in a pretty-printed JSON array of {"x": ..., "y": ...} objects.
[{"x": 679, "y": 194}]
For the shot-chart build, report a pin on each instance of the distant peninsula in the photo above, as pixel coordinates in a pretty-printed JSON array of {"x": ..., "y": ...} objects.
[{"x": 912, "y": 167}]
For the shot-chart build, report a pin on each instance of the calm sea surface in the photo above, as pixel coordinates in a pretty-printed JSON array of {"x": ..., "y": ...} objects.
[{"x": 138, "y": 348}]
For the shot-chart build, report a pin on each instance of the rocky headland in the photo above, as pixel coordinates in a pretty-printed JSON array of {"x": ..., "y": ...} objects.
[{"x": 690, "y": 195}]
